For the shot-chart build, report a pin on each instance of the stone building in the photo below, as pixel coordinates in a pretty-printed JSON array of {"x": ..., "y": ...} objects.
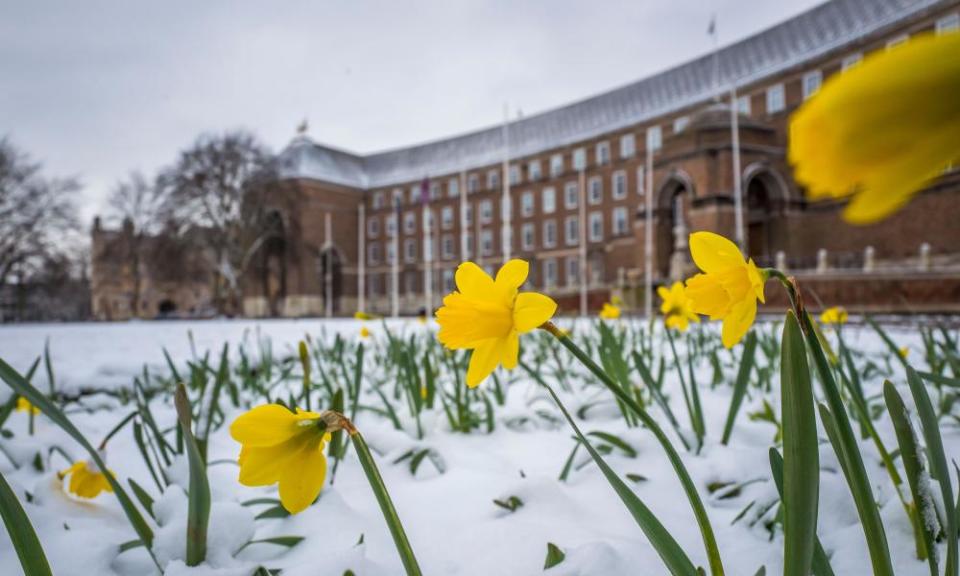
[{"x": 572, "y": 190}]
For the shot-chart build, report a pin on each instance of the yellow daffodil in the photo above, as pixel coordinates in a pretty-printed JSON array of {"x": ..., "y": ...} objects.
[
  {"x": 24, "y": 405},
  {"x": 904, "y": 352},
  {"x": 364, "y": 333},
  {"x": 834, "y": 315},
  {"x": 677, "y": 309},
  {"x": 488, "y": 315},
  {"x": 609, "y": 311},
  {"x": 359, "y": 315},
  {"x": 86, "y": 479},
  {"x": 883, "y": 130},
  {"x": 285, "y": 448},
  {"x": 729, "y": 287},
  {"x": 422, "y": 319}
]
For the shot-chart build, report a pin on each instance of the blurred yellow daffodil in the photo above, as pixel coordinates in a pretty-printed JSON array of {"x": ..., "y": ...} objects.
[
  {"x": 24, "y": 405},
  {"x": 487, "y": 315},
  {"x": 904, "y": 352},
  {"x": 677, "y": 308},
  {"x": 834, "y": 315},
  {"x": 359, "y": 315},
  {"x": 364, "y": 332},
  {"x": 881, "y": 131},
  {"x": 609, "y": 311},
  {"x": 729, "y": 287},
  {"x": 86, "y": 479},
  {"x": 285, "y": 448}
]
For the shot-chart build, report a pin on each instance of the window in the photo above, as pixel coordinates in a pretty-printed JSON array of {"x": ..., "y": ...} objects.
[
  {"x": 811, "y": 83},
  {"x": 391, "y": 225},
  {"x": 514, "y": 174},
  {"x": 571, "y": 195},
  {"x": 397, "y": 197},
  {"x": 603, "y": 153},
  {"x": 556, "y": 165},
  {"x": 851, "y": 61},
  {"x": 378, "y": 201},
  {"x": 468, "y": 215},
  {"x": 373, "y": 227},
  {"x": 550, "y": 272},
  {"x": 410, "y": 282},
  {"x": 896, "y": 41},
  {"x": 486, "y": 242},
  {"x": 409, "y": 222},
  {"x": 641, "y": 180},
  {"x": 415, "y": 194},
  {"x": 373, "y": 284},
  {"x": 486, "y": 212},
  {"x": 493, "y": 180},
  {"x": 548, "y": 200},
  {"x": 775, "y": 100},
  {"x": 468, "y": 249},
  {"x": 595, "y": 189},
  {"x": 410, "y": 249},
  {"x": 620, "y": 221},
  {"x": 619, "y": 185},
  {"x": 743, "y": 105},
  {"x": 628, "y": 146},
  {"x": 446, "y": 217},
  {"x": 949, "y": 23},
  {"x": 526, "y": 236},
  {"x": 580, "y": 159},
  {"x": 447, "y": 247},
  {"x": 390, "y": 253},
  {"x": 453, "y": 187},
  {"x": 429, "y": 248},
  {"x": 435, "y": 190},
  {"x": 571, "y": 231},
  {"x": 596, "y": 269},
  {"x": 526, "y": 204},
  {"x": 448, "y": 280},
  {"x": 679, "y": 124},
  {"x": 533, "y": 170},
  {"x": 473, "y": 183},
  {"x": 573, "y": 270},
  {"x": 654, "y": 138},
  {"x": 549, "y": 234},
  {"x": 596, "y": 226},
  {"x": 373, "y": 253}
]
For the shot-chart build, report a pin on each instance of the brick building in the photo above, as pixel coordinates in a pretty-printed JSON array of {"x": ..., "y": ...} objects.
[{"x": 572, "y": 189}]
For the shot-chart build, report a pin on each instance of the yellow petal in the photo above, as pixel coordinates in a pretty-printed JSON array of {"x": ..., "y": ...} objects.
[
  {"x": 511, "y": 351},
  {"x": 472, "y": 281},
  {"x": 302, "y": 478},
  {"x": 465, "y": 321},
  {"x": 707, "y": 296},
  {"x": 262, "y": 466},
  {"x": 532, "y": 309},
  {"x": 268, "y": 425},
  {"x": 484, "y": 360},
  {"x": 513, "y": 274},
  {"x": 736, "y": 324},
  {"x": 714, "y": 253}
]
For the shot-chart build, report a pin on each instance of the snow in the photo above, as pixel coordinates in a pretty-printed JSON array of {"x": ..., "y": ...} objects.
[{"x": 450, "y": 518}]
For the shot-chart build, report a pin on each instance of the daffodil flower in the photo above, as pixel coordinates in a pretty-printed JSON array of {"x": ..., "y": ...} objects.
[
  {"x": 835, "y": 315},
  {"x": 285, "y": 448},
  {"x": 883, "y": 130},
  {"x": 904, "y": 352},
  {"x": 360, "y": 315},
  {"x": 24, "y": 405},
  {"x": 86, "y": 479},
  {"x": 609, "y": 311},
  {"x": 364, "y": 333},
  {"x": 729, "y": 286},
  {"x": 487, "y": 316},
  {"x": 677, "y": 308}
]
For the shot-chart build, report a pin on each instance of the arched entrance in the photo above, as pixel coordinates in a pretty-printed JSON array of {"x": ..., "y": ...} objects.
[
  {"x": 274, "y": 263},
  {"x": 763, "y": 206},
  {"x": 166, "y": 308},
  {"x": 673, "y": 203},
  {"x": 331, "y": 278}
]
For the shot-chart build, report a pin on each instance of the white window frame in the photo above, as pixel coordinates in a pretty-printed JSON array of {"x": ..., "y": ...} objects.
[
  {"x": 447, "y": 247},
  {"x": 528, "y": 236},
  {"x": 378, "y": 200},
  {"x": 571, "y": 231},
  {"x": 448, "y": 284},
  {"x": 526, "y": 204},
  {"x": 486, "y": 242},
  {"x": 619, "y": 185},
  {"x": 373, "y": 227},
  {"x": 556, "y": 165},
  {"x": 446, "y": 217},
  {"x": 595, "y": 191},
  {"x": 603, "y": 153},
  {"x": 493, "y": 179},
  {"x": 486, "y": 211},
  {"x": 743, "y": 104},
  {"x": 571, "y": 195},
  {"x": 410, "y": 250},
  {"x": 851, "y": 61},
  {"x": 628, "y": 146},
  {"x": 776, "y": 98},
  {"x": 391, "y": 225},
  {"x": 473, "y": 183},
  {"x": 550, "y": 272},
  {"x": 620, "y": 216},
  {"x": 514, "y": 174},
  {"x": 580, "y": 158},
  {"x": 533, "y": 170},
  {"x": 453, "y": 187},
  {"x": 654, "y": 138},
  {"x": 812, "y": 81},
  {"x": 397, "y": 196},
  {"x": 572, "y": 271},
  {"x": 550, "y": 233},
  {"x": 409, "y": 222},
  {"x": 680, "y": 124},
  {"x": 548, "y": 200},
  {"x": 595, "y": 224},
  {"x": 373, "y": 253}
]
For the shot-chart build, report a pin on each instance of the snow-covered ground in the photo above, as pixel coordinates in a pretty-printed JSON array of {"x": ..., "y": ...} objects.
[{"x": 450, "y": 516}]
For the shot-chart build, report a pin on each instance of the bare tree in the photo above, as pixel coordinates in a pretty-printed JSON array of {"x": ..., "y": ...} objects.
[
  {"x": 37, "y": 214},
  {"x": 218, "y": 185}
]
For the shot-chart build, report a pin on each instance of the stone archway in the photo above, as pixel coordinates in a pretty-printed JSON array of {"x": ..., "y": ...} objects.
[
  {"x": 673, "y": 204},
  {"x": 273, "y": 272},
  {"x": 765, "y": 195},
  {"x": 331, "y": 278}
]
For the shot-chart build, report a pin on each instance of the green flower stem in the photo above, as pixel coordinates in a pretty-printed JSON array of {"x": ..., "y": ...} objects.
[
  {"x": 706, "y": 530},
  {"x": 695, "y": 422},
  {"x": 386, "y": 504}
]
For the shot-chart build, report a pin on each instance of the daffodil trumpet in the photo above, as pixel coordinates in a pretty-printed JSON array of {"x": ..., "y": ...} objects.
[{"x": 696, "y": 503}]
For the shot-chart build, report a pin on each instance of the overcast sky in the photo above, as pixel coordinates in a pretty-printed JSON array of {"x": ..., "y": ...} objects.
[{"x": 96, "y": 89}]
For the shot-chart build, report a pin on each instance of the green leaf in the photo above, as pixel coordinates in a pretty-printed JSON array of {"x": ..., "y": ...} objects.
[
  {"x": 801, "y": 453},
  {"x": 554, "y": 556},
  {"x": 198, "y": 511},
  {"x": 285, "y": 541},
  {"x": 740, "y": 384},
  {"x": 142, "y": 495},
  {"x": 24, "y": 538},
  {"x": 25, "y": 389}
]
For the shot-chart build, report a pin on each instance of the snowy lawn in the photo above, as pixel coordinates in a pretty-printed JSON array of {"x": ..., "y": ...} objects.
[{"x": 484, "y": 501}]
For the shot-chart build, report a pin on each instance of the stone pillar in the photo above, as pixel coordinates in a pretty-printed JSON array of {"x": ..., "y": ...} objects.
[
  {"x": 868, "y": 256},
  {"x": 925, "y": 257},
  {"x": 781, "y": 261},
  {"x": 681, "y": 252},
  {"x": 822, "y": 263}
]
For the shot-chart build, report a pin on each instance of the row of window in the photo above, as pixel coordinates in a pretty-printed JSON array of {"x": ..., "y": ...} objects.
[
  {"x": 775, "y": 102},
  {"x": 571, "y": 236}
]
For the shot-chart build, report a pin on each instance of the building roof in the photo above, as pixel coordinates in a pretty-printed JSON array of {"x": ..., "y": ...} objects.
[{"x": 808, "y": 36}]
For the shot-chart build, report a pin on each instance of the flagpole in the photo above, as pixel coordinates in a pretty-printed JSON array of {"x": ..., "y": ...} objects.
[
  {"x": 328, "y": 273},
  {"x": 583, "y": 242},
  {"x": 506, "y": 208},
  {"x": 362, "y": 260},
  {"x": 464, "y": 248},
  {"x": 648, "y": 235},
  {"x": 427, "y": 253},
  {"x": 395, "y": 264},
  {"x": 737, "y": 184}
]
